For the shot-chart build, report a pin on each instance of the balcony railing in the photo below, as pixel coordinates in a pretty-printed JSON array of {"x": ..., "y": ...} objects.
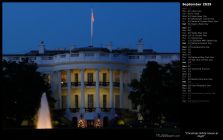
[
  {"x": 75, "y": 84},
  {"x": 116, "y": 84},
  {"x": 105, "y": 109},
  {"x": 89, "y": 83},
  {"x": 74, "y": 110},
  {"x": 104, "y": 84},
  {"x": 89, "y": 109}
]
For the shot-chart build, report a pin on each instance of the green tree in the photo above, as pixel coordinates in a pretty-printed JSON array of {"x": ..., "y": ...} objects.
[
  {"x": 22, "y": 90},
  {"x": 158, "y": 91}
]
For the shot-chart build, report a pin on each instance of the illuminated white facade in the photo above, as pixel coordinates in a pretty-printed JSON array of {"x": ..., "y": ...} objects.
[{"x": 90, "y": 82}]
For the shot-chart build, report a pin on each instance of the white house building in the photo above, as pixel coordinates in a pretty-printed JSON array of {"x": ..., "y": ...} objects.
[{"x": 92, "y": 82}]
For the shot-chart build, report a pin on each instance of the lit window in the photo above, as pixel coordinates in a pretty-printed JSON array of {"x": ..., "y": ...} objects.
[
  {"x": 64, "y": 99},
  {"x": 90, "y": 100},
  {"x": 104, "y": 101},
  {"x": 76, "y": 77},
  {"x": 104, "y": 77},
  {"x": 90, "y": 77},
  {"x": 117, "y": 101},
  {"x": 76, "y": 101}
]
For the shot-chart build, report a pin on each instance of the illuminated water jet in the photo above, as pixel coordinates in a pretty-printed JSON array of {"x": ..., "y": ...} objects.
[{"x": 44, "y": 118}]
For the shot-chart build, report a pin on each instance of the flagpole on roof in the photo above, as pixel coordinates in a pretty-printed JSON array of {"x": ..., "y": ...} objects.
[{"x": 92, "y": 23}]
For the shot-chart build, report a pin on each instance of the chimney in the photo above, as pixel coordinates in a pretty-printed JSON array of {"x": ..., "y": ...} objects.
[
  {"x": 109, "y": 46},
  {"x": 41, "y": 48},
  {"x": 140, "y": 45}
]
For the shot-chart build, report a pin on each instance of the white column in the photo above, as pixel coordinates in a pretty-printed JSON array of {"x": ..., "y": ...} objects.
[
  {"x": 128, "y": 90},
  {"x": 59, "y": 89},
  {"x": 52, "y": 82},
  {"x": 82, "y": 89},
  {"x": 97, "y": 91},
  {"x": 111, "y": 88},
  {"x": 121, "y": 90},
  {"x": 68, "y": 89}
]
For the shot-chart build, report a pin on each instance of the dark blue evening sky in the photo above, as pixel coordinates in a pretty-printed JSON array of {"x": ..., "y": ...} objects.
[{"x": 61, "y": 25}]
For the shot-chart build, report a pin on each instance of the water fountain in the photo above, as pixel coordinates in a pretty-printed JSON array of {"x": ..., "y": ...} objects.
[{"x": 44, "y": 118}]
